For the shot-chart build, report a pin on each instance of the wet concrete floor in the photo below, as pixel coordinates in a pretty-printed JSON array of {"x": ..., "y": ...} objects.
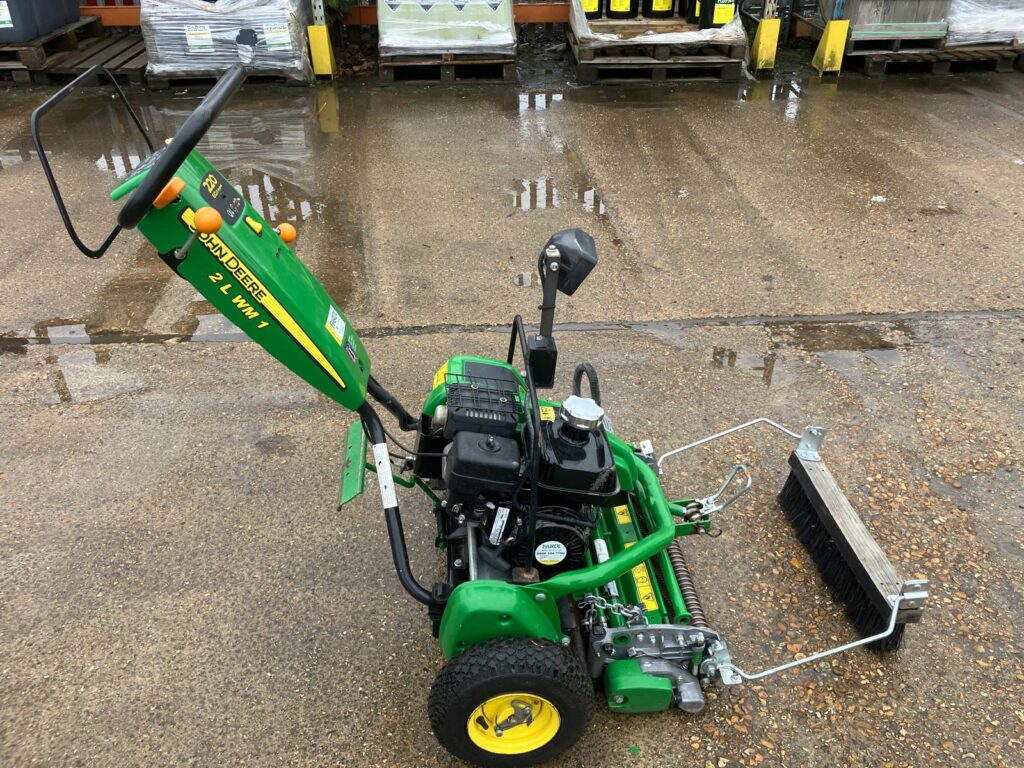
[{"x": 175, "y": 586}]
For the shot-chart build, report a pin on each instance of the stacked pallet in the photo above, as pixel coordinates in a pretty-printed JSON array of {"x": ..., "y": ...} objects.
[
  {"x": 446, "y": 40},
  {"x": 656, "y": 50},
  {"x": 936, "y": 36},
  {"x": 70, "y": 50}
]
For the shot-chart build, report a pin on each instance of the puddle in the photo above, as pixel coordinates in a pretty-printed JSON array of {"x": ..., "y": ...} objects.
[
  {"x": 10, "y": 344},
  {"x": 768, "y": 365},
  {"x": 266, "y": 147},
  {"x": 542, "y": 193},
  {"x": 538, "y": 101},
  {"x": 83, "y": 375},
  {"x": 846, "y": 337},
  {"x": 269, "y": 143}
]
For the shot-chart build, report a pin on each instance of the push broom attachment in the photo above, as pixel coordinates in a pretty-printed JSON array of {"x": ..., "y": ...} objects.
[{"x": 878, "y": 601}]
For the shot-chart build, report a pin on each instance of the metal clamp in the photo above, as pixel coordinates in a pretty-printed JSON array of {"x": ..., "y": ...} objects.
[{"x": 712, "y": 504}]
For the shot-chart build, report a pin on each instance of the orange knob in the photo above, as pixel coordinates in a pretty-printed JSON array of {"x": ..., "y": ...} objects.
[
  {"x": 169, "y": 194},
  {"x": 287, "y": 232},
  {"x": 207, "y": 221}
]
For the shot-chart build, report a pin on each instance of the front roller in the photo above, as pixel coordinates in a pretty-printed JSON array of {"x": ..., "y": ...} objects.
[{"x": 511, "y": 702}]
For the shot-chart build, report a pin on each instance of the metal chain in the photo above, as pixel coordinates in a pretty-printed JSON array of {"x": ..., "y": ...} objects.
[{"x": 633, "y": 614}]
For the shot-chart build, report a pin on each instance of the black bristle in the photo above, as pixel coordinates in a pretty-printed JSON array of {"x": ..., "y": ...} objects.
[{"x": 841, "y": 581}]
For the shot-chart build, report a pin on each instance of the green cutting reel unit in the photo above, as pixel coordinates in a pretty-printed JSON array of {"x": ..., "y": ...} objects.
[{"x": 563, "y": 568}]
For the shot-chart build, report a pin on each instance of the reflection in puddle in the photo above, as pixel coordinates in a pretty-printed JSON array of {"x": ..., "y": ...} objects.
[
  {"x": 80, "y": 375},
  {"x": 541, "y": 193},
  {"x": 722, "y": 357},
  {"x": 540, "y": 100},
  {"x": 534, "y": 194},
  {"x": 265, "y": 148}
]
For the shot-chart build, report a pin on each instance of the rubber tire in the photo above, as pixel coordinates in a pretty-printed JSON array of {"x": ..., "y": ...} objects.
[{"x": 505, "y": 666}]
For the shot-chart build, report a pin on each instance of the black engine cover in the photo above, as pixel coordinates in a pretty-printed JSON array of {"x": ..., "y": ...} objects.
[
  {"x": 575, "y": 464},
  {"x": 476, "y": 464}
]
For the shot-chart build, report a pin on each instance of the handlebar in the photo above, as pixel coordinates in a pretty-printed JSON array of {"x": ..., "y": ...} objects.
[
  {"x": 89, "y": 76},
  {"x": 166, "y": 161},
  {"x": 185, "y": 140}
]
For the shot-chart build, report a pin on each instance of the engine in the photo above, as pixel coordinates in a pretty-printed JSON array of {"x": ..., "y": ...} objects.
[{"x": 518, "y": 505}]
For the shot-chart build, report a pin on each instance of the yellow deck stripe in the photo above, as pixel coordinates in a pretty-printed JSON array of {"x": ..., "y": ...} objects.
[{"x": 220, "y": 251}]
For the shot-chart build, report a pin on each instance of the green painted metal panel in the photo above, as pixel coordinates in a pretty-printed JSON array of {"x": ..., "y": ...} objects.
[
  {"x": 353, "y": 471},
  {"x": 253, "y": 278},
  {"x": 630, "y": 689},
  {"x": 479, "y": 611}
]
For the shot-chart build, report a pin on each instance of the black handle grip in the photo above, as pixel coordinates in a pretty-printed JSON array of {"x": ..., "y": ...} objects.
[
  {"x": 36, "y": 126},
  {"x": 186, "y": 139}
]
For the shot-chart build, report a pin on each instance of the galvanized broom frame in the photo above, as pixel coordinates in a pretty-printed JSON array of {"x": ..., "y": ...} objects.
[{"x": 913, "y": 593}]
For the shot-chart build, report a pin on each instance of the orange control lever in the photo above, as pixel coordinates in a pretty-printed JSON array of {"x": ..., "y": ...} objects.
[
  {"x": 169, "y": 194},
  {"x": 287, "y": 232},
  {"x": 208, "y": 221}
]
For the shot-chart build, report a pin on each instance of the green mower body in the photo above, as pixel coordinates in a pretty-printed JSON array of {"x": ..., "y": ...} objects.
[
  {"x": 248, "y": 273},
  {"x": 561, "y": 562}
]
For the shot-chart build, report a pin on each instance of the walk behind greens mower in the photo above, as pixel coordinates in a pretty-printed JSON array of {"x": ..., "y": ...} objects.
[{"x": 563, "y": 563}]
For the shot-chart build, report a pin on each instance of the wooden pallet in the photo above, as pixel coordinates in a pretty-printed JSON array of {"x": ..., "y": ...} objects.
[
  {"x": 21, "y": 59},
  {"x": 635, "y": 60},
  {"x": 447, "y": 68},
  {"x": 123, "y": 55},
  {"x": 943, "y": 62}
]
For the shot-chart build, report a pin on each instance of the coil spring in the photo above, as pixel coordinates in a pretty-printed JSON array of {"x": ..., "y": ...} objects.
[{"x": 690, "y": 596}]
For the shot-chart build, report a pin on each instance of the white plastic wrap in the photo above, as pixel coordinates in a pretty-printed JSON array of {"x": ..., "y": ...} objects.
[
  {"x": 974, "y": 22},
  {"x": 730, "y": 34},
  {"x": 194, "y": 37},
  {"x": 431, "y": 27}
]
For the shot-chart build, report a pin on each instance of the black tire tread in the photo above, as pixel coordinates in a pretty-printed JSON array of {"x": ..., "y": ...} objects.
[{"x": 508, "y": 656}]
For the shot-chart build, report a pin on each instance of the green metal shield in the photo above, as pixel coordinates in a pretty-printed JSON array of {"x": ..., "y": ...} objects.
[{"x": 250, "y": 275}]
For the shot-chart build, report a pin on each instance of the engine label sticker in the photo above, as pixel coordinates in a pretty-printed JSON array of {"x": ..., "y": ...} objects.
[
  {"x": 622, "y": 515},
  {"x": 547, "y": 413},
  {"x": 199, "y": 38},
  {"x": 6, "y": 22},
  {"x": 601, "y": 551},
  {"x": 387, "y": 485},
  {"x": 336, "y": 325},
  {"x": 550, "y": 552},
  {"x": 498, "y": 529},
  {"x": 278, "y": 37}
]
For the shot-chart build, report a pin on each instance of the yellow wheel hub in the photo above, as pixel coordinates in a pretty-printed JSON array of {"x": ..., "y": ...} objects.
[{"x": 513, "y": 723}]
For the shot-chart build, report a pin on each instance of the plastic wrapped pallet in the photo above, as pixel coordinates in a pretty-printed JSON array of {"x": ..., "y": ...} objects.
[
  {"x": 431, "y": 27},
  {"x": 194, "y": 37},
  {"x": 891, "y": 18},
  {"x": 730, "y": 34},
  {"x": 977, "y": 22}
]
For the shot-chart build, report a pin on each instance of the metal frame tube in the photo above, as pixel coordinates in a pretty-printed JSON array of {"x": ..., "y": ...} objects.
[{"x": 896, "y": 601}]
